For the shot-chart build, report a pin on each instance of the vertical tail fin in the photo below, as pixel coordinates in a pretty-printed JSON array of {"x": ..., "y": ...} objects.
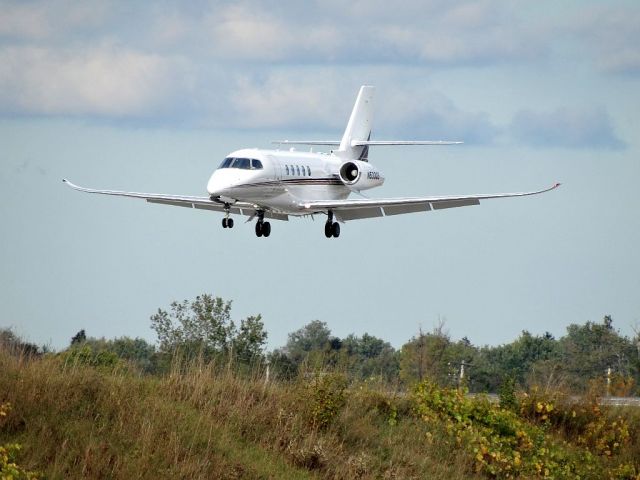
[{"x": 359, "y": 126}]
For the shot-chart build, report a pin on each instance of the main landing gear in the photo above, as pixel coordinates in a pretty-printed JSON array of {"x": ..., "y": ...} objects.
[
  {"x": 263, "y": 229},
  {"x": 331, "y": 228},
  {"x": 226, "y": 221}
]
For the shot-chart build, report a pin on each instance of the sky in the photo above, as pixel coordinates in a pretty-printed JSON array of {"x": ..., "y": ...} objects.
[{"x": 151, "y": 96}]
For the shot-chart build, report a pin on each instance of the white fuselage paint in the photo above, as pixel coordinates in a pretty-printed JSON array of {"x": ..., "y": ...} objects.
[{"x": 287, "y": 180}]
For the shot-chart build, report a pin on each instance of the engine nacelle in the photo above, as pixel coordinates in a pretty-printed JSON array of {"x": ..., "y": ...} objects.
[{"x": 358, "y": 175}]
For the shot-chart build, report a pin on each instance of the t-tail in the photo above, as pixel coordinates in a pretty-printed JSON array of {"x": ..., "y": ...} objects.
[
  {"x": 356, "y": 139},
  {"x": 359, "y": 127}
]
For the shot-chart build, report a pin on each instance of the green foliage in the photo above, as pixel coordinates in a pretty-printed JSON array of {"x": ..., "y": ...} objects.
[
  {"x": 507, "y": 394},
  {"x": 203, "y": 328},
  {"x": 434, "y": 355},
  {"x": 90, "y": 355},
  {"x": 9, "y": 469},
  {"x": 368, "y": 357},
  {"x": 250, "y": 339},
  {"x": 582, "y": 420},
  {"x": 311, "y": 343},
  {"x": 79, "y": 337},
  {"x": 11, "y": 343},
  {"x": 325, "y": 396},
  {"x": 503, "y": 443},
  {"x": 313, "y": 348}
]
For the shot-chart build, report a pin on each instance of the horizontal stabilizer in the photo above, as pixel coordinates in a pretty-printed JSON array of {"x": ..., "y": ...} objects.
[
  {"x": 363, "y": 143},
  {"x": 357, "y": 143},
  {"x": 306, "y": 142}
]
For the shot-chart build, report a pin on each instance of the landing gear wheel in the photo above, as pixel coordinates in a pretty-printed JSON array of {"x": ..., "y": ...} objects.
[
  {"x": 335, "y": 229},
  {"x": 266, "y": 229},
  {"x": 224, "y": 223},
  {"x": 229, "y": 222},
  {"x": 328, "y": 230},
  {"x": 259, "y": 229}
]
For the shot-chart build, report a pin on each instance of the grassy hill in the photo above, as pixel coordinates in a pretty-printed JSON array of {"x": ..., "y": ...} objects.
[{"x": 206, "y": 421}]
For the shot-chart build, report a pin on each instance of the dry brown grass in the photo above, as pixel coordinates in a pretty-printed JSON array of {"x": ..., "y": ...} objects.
[{"x": 205, "y": 421}]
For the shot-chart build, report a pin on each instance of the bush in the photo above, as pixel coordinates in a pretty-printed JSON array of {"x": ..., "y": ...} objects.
[
  {"x": 504, "y": 443},
  {"x": 9, "y": 469},
  {"x": 325, "y": 397}
]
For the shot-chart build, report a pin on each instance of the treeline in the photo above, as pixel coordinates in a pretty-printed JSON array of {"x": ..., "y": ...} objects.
[{"x": 592, "y": 356}]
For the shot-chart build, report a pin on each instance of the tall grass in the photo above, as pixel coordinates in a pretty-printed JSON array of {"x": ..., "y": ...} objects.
[{"x": 207, "y": 421}]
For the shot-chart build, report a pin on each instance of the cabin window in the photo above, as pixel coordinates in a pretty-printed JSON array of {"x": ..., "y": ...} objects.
[
  {"x": 308, "y": 170},
  {"x": 298, "y": 170},
  {"x": 226, "y": 162},
  {"x": 304, "y": 172},
  {"x": 256, "y": 164},
  {"x": 286, "y": 167}
]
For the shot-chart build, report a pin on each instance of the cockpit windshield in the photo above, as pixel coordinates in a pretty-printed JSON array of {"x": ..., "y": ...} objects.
[{"x": 243, "y": 163}]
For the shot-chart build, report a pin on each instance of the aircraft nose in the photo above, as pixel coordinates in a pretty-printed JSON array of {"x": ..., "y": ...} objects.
[{"x": 215, "y": 186}]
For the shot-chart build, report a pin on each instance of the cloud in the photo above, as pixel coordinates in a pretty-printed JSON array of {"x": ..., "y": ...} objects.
[
  {"x": 612, "y": 34},
  {"x": 432, "y": 32},
  {"x": 54, "y": 18},
  {"x": 297, "y": 100},
  {"x": 566, "y": 128},
  {"x": 103, "y": 81}
]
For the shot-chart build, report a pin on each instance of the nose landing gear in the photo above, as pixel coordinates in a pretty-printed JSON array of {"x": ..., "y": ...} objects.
[
  {"x": 263, "y": 229},
  {"x": 331, "y": 228}
]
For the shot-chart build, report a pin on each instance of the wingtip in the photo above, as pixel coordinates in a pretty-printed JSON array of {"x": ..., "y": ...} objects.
[
  {"x": 64, "y": 180},
  {"x": 557, "y": 184}
]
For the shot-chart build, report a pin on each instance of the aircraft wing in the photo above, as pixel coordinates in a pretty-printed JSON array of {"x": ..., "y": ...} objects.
[
  {"x": 203, "y": 203},
  {"x": 369, "y": 208}
]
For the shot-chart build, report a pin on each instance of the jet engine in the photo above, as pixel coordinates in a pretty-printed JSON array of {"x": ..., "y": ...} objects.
[{"x": 358, "y": 175}]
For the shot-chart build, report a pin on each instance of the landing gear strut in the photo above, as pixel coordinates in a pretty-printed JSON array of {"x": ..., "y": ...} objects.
[
  {"x": 331, "y": 228},
  {"x": 263, "y": 229},
  {"x": 226, "y": 221}
]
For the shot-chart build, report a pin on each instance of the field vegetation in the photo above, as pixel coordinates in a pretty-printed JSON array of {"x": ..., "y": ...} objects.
[{"x": 208, "y": 402}]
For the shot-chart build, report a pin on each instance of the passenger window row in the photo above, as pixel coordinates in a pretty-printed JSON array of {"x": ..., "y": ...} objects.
[
  {"x": 243, "y": 163},
  {"x": 298, "y": 170}
]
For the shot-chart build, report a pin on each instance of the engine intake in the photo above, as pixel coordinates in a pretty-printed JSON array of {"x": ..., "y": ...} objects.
[
  {"x": 349, "y": 173},
  {"x": 358, "y": 175}
]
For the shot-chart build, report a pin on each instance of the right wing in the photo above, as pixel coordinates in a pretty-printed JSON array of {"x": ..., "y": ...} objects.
[
  {"x": 368, "y": 208},
  {"x": 203, "y": 203}
]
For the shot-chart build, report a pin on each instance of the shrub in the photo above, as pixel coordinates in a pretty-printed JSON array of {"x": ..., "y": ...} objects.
[
  {"x": 9, "y": 469},
  {"x": 324, "y": 396},
  {"x": 504, "y": 444}
]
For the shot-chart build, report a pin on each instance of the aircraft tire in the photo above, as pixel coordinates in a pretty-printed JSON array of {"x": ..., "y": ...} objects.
[
  {"x": 266, "y": 229},
  {"x": 230, "y": 223},
  {"x": 335, "y": 229},
  {"x": 258, "y": 229},
  {"x": 328, "y": 230},
  {"x": 224, "y": 223}
]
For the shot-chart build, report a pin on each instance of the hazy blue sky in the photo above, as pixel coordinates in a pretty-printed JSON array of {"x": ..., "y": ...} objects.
[{"x": 150, "y": 96}]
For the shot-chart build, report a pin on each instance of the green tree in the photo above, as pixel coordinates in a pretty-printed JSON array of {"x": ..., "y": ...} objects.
[
  {"x": 368, "y": 357},
  {"x": 249, "y": 341},
  {"x": 203, "y": 327},
  {"x": 312, "y": 343},
  {"x": 588, "y": 351},
  {"x": 199, "y": 327},
  {"x": 79, "y": 337},
  {"x": 515, "y": 362},
  {"x": 433, "y": 355}
]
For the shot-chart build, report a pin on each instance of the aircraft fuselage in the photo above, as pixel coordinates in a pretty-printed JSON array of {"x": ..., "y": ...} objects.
[{"x": 285, "y": 180}]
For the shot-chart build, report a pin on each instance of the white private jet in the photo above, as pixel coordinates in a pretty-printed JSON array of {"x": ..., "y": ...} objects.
[{"x": 277, "y": 184}]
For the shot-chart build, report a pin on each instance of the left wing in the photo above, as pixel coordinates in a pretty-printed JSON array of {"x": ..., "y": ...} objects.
[
  {"x": 204, "y": 203},
  {"x": 368, "y": 208}
]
